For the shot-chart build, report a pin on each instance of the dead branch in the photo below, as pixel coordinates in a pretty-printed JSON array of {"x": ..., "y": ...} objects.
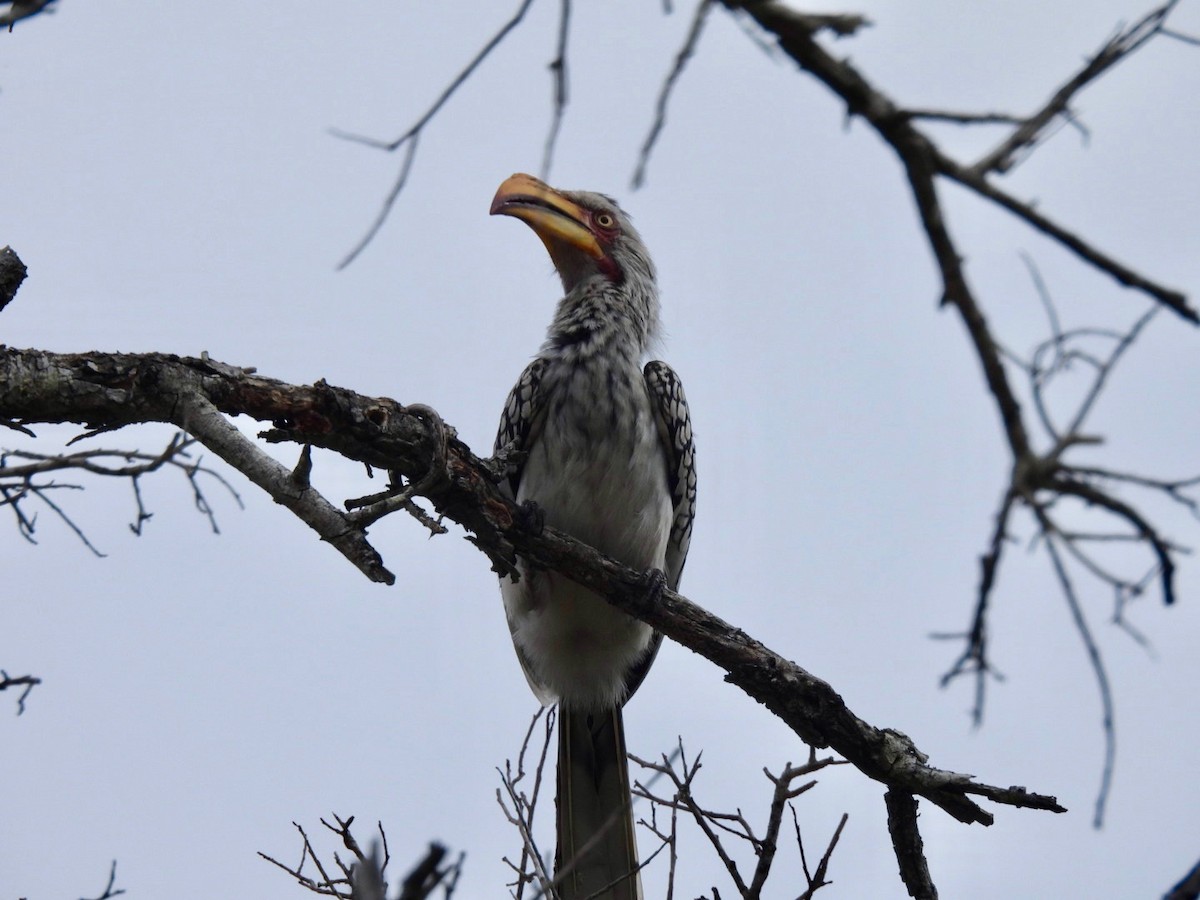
[
  {"x": 714, "y": 824},
  {"x": 1096, "y": 661},
  {"x": 109, "y": 890},
  {"x": 709, "y": 822},
  {"x": 364, "y": 875},
  {"x": 195, "y": 394},
  {"x": 28, "y": 682},
  {"x": 1039, "y": 481},
  {"x": 18, "y": 484},
  {"x": 906, "y": 840},
  {"x": 1032, "y": 130},
  {"x": 558, "y": 69},
  {"x": 664, "y": 95},
  {"x": 817, "y": 879},
  {"x": 412, "y": 136},
  {"x": 125, "y": 390},
  {"x": 520, "y": 806},
  {"x": 924, "y": 161},
  {"x": 1036, "y": 478}
]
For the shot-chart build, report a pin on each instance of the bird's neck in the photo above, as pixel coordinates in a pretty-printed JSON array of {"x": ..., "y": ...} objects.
[{"x": 595, "y": 318}]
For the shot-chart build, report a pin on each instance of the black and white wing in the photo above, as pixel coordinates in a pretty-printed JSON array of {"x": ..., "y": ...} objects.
[
  {"x": 521, "y": 420},
  {"x": 675, "y": 431}
]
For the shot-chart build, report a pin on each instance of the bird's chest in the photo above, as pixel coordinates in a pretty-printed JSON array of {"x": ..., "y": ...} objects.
[{"x": 597, "y": 470}]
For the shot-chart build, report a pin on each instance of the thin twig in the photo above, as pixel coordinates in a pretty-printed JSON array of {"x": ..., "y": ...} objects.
[
  {"x": 1093, "y": 256},
  {"x": 817, "y": 879},
  {"x": 108, "y": 888},
  {"x": 664, "y": 95},
  {"x": 1097, "y": 664},
  {"x": 28, "y": 682},
  {"x": 412, "y": 136},
  {"x": 974, "y": 659},
  {"x": 558, "y": 68},
  {"x": 1119, "y": 47},
  {"x": 962, "y": 118}
]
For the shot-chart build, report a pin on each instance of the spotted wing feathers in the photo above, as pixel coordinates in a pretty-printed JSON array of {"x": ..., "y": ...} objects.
[
  {"x": 521, "y": 420},
  {"x": 675, "y": 431}
]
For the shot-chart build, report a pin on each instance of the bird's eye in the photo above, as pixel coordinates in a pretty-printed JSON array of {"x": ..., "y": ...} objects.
[{"x": 604, "y": 220}]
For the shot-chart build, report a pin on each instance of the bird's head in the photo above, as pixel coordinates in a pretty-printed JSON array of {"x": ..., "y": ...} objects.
[{"x": 587, "y": 235}]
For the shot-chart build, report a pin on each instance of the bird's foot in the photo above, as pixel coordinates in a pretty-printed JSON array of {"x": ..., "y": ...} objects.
[
  {"x": 654, "y": 583},
  {"x": 531, "y": 517}
]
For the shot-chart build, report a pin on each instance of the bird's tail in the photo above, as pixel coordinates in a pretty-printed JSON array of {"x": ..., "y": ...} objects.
[{"x": 597, "y": 852}]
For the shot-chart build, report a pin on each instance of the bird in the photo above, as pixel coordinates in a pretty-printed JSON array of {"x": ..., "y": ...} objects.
[{"x": 601, "y": 443}]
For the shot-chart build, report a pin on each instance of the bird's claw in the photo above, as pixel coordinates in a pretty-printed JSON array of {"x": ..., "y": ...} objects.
[
  {"x": 655, "y": 583},
  {"x": 531, "y": 517}
]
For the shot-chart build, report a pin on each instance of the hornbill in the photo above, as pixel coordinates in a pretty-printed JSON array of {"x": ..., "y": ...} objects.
[{"x": 604, "y": 449}]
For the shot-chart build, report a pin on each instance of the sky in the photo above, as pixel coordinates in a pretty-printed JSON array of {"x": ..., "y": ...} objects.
[{"x": 170, "y": 180}]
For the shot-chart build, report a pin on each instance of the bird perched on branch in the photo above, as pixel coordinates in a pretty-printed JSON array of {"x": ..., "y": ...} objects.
[{"x": 605, "y": 452}]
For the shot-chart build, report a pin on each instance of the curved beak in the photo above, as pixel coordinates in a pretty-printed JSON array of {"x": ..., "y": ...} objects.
[{"x": 555, "y": 219}]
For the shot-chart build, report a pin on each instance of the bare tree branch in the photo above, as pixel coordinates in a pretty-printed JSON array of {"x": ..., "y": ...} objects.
[
  {"x": 413, "y": 134},
  {"x": 660, "y": 112},
  {"x": 17, "y": 482},
  {"x": 817, "y": 879},
  {"x": 714, "y": 825},
  {"x": 22, "y": 681},
  {"x": 364, "y": 875},
  {"x": 1097, "y": 664},
  {"x": 910, "y": 850},
  {"x": 1035, "y": 478},
  {"x": 963, "y": 118},
  {"x": 109, "y": 890},
  {"x": 194, "y": 393},
  {"x": 521, "y": 807},
  {"x": 923, "y": 161},
  {"x": 974, "y": 659},
  {"x": 1030, "y": 131},
  {"x": 558, "y": 68}
]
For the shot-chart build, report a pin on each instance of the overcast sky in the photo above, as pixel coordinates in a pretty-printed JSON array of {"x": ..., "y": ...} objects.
[{"x": 169, "y": 179}]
